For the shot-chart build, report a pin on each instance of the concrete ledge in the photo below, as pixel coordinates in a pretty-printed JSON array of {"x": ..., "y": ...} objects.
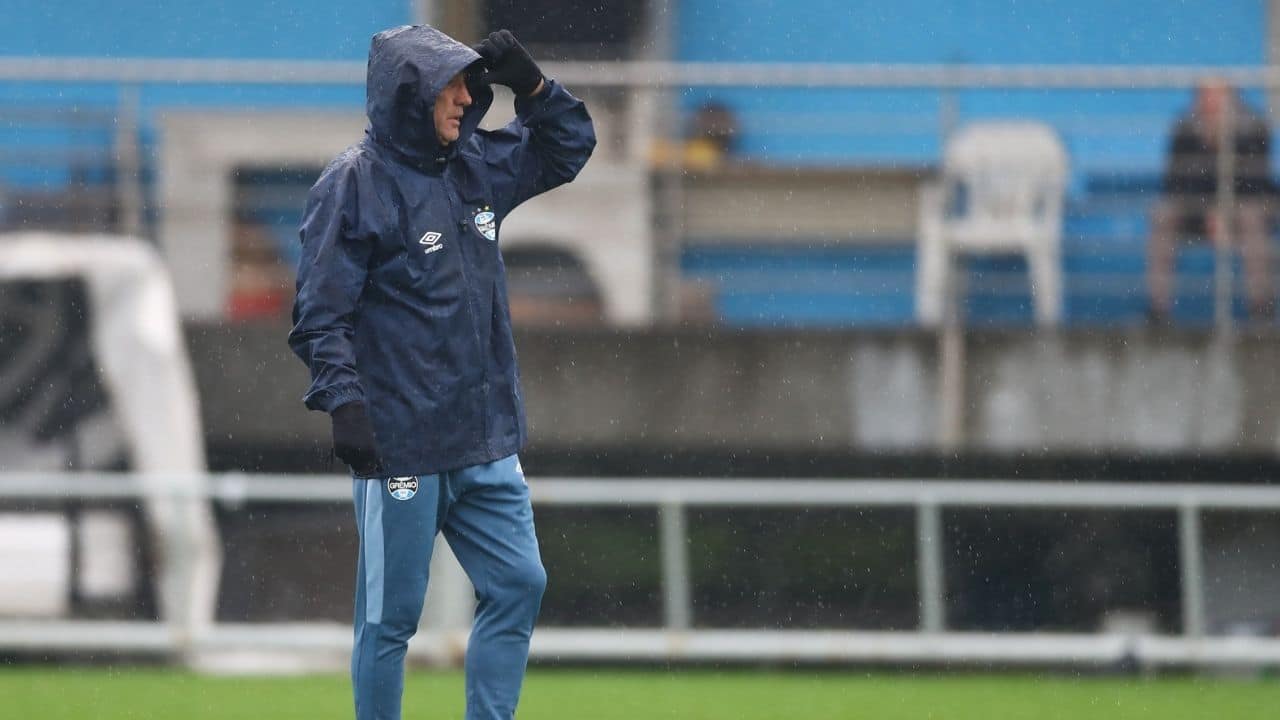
[{"x": 1134, "y": 392}]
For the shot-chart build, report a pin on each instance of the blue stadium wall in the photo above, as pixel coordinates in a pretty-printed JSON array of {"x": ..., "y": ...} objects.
[
  {"x": 908, "y": 31},
  {"x": 1101, "y": 32},
  {"x": 780, "y": 126},
  {"x": 1136, "y": 32},
  {"x": 275, "y": 29}
]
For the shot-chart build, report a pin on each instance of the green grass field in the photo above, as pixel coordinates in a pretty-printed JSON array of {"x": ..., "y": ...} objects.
[{"x": 39, "y": 693}]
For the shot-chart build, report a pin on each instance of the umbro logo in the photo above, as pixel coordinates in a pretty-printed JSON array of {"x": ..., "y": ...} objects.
[{"x": 432, "y": 241}]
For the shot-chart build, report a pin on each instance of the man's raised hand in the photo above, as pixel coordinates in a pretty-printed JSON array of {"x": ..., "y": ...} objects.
[{"x": 509, "y": 64}]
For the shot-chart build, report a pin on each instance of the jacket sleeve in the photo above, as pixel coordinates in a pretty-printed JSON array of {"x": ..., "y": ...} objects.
[
  {"x": 543, "y": 148},
  {"x": 331, "y": 274}
]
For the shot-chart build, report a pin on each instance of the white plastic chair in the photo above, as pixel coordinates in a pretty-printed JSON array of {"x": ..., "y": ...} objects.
[{"x": 1000, "y": 192}]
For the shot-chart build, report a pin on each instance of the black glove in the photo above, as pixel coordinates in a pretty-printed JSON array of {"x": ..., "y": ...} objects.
[
  {"x": 508, "y": 63},
  {"x": 353, "y": 439}
]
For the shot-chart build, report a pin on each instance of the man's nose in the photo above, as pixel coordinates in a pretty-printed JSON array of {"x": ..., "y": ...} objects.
[{"x": 464, "y": 97}]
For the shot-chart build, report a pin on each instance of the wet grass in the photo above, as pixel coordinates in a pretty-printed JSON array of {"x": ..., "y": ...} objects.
[{"x": 43, "y": 693}]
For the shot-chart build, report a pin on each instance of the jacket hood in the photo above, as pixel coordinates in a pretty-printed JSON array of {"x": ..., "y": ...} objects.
[{"x": 408, "y": 67}]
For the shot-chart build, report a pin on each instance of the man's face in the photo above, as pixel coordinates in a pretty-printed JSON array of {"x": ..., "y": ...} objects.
[{"x": 449, "y": 106}]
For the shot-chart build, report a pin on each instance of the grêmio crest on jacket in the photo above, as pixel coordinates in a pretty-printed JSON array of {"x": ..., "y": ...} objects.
[
  {"x": 483, "y": 218},
  {"x": 402, "y": 488}
]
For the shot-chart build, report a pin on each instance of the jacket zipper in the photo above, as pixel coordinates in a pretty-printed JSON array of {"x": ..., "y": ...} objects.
[{"x": 471, "y": 310}]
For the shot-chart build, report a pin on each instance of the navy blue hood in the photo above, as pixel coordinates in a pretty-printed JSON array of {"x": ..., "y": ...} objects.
[{"x": 408, "y": 67}]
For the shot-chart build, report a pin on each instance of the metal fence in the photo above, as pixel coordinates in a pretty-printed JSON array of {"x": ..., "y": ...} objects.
[{"x": 204, "y": 643}]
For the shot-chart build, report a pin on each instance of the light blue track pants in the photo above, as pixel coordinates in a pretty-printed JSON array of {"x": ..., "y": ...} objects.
[{"x": 485, "y": 515}]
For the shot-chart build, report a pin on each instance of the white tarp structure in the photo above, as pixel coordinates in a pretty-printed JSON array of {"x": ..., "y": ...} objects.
[{"x": 138, "y": 349}]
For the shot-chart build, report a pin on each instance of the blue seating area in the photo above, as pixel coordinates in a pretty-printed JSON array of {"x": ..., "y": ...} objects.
[
  {"x": 799, "y": 285},
  {"x": 1104, "y": 267},
  {"x": 1115, "y": 138},
  {"x": 56, "y": 138}
]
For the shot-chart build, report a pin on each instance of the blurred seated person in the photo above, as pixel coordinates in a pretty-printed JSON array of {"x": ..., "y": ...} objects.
[
  {"x": 1189, "y": 206},
  {"x": 710, "y": 138},
  {"x": 260, "y": 281}
]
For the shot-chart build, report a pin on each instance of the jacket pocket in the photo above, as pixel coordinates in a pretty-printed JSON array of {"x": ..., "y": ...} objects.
[{"x": 433, "y": 260}]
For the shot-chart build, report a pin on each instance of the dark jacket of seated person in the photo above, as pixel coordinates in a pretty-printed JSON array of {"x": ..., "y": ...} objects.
[
  {"x": 1189, "y": 206},
  {"x": 1191, "y": 168}
]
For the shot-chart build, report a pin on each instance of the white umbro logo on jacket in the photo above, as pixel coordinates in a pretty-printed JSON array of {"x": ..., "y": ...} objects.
[{"x": 432, "y": 241}]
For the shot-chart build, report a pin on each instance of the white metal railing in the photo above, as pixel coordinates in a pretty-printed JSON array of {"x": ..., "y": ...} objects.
[
  {"x": 679, "y": 638},
  {"x": 652, "y": 74}
]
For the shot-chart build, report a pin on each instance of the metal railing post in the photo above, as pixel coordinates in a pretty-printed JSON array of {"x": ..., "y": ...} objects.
[
  {"x": 929, "y": 566},
  {"x": 1191, "y": 562},
  {"x": 673, "y": 538},
  {"x": 951, "y": 358},
  {"x": 1224, "y": 203},
  {"x": 128, "y": 161}
]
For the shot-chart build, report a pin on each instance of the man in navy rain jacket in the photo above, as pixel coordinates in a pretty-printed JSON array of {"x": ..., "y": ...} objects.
[{"x": 401, "y": 315}]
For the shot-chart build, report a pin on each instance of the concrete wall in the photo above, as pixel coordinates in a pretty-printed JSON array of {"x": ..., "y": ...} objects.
[
  {"x": 1025, "y": 392},
  {"x": 749, "y": 203},
  {"x": 1130, "y": 393}
]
